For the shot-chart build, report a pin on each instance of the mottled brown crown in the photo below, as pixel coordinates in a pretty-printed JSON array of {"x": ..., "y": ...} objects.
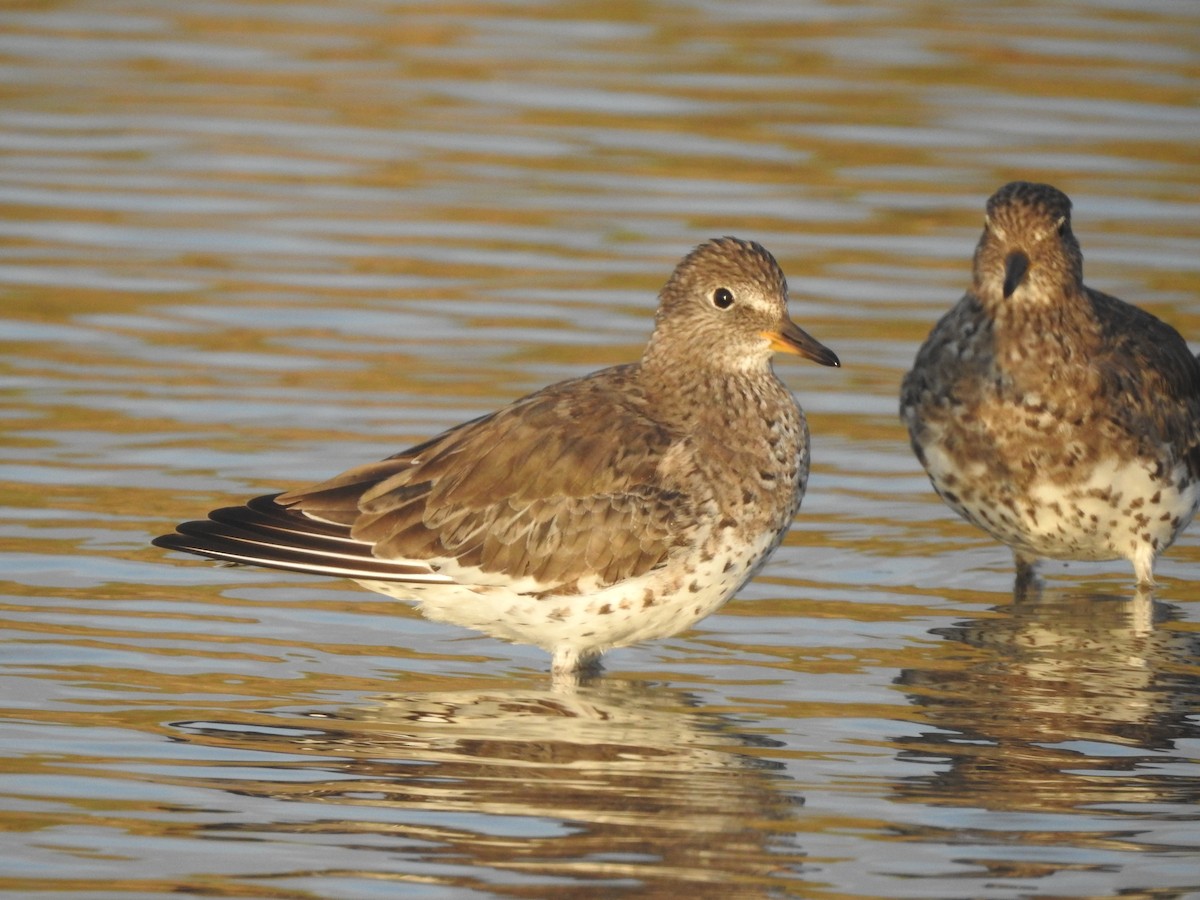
[
  {"x": 1035, "y": 201},
  {"x": 735, "y": 260}
]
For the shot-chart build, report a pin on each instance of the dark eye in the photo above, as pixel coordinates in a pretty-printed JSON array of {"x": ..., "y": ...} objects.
[
  {"x": 1061, "y": 225},
  {"x": 722, "y": 298}
]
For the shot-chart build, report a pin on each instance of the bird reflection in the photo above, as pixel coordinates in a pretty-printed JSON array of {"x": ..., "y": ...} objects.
[
  {"x": 614, "y": 785},
  {"x": 1059, "y": 701}
]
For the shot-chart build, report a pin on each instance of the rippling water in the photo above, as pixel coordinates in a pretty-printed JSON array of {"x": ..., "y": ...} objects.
[{"x": 246, "y": 245}]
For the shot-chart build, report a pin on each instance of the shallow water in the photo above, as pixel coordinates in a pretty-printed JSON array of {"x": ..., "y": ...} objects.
[{"x": 247, "y": 245}]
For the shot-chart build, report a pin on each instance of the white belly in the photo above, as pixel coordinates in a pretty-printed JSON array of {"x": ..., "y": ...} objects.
[
  {"x": 1121, "y": 509},
  {"x": 661, "y": 603}
]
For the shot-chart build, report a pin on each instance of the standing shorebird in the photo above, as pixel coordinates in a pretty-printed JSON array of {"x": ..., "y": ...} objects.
[
  {"x": 595, "y": 513},
  {"x": 1060, "y": 420}
]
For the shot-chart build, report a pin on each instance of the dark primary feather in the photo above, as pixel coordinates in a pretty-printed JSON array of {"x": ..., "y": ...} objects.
[{"x": 266, "y": 534}]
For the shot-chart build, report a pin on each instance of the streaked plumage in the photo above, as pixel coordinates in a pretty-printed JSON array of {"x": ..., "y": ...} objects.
[
  {"x": 1061, "y": 420},
  {"x": 594, "y": 513}
]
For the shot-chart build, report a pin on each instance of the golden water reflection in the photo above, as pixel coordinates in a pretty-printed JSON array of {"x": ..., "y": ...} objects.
[
  {"x": 613, "y": 784},
  {"x": 624, "y": 784},
  {"x": 1069, "y": 700}
]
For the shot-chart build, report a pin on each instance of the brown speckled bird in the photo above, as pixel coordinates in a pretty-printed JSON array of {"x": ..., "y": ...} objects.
[
  {"x": 601, "y": 511},
  {"x": 1060, "y": 420}
]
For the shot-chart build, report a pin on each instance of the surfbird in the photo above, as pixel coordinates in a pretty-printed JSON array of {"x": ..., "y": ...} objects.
[
  {"x": 595, "y": 513},
  {"x": 1062, "y": 421}
]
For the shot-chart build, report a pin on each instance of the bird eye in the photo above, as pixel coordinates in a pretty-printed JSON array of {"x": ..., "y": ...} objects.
[
  {"x": 722, "y": 298},
  {"x": 1061, "y": 225}
]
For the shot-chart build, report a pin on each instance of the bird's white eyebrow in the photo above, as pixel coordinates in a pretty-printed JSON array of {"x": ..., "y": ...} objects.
[
  {"x": 992, "y": 226},
  {"x": 1042, "y": 235}
]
